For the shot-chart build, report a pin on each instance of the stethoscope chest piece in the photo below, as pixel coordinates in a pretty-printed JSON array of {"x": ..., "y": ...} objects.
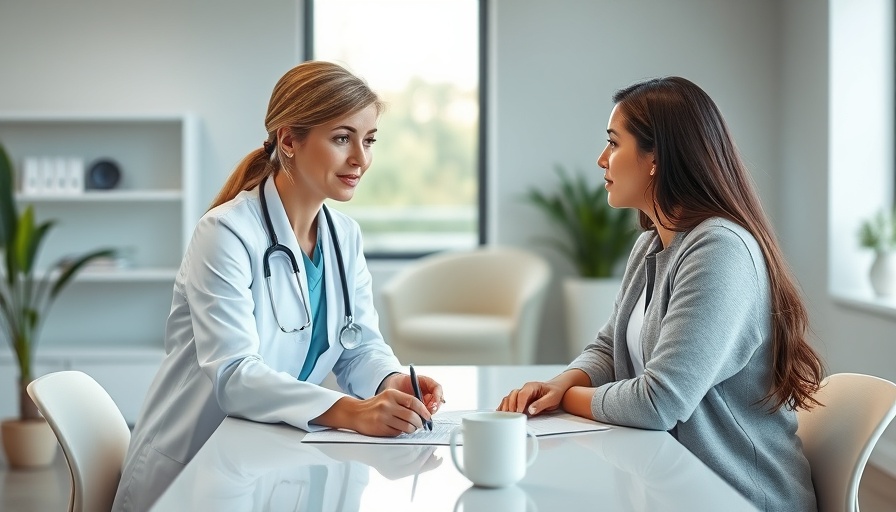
[{"x": 350, "y": 334}]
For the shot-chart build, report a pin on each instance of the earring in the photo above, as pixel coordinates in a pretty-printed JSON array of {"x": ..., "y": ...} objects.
[
  {"x": 287, "y": 155},
  {"x": 652, "y": 170}
]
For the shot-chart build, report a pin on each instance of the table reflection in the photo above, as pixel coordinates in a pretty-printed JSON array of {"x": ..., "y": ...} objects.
[
  {"x": 282, "y": 473},
  {"x": 507, "y": 499}
]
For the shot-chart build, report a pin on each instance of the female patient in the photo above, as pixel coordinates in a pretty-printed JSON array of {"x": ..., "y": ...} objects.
[
  {"x": 274, "y": 293},
  {"x": 708, "y": 335}
]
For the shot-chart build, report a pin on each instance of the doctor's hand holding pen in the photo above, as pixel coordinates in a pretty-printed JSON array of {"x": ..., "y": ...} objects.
[{"x": 392, "y": 411}]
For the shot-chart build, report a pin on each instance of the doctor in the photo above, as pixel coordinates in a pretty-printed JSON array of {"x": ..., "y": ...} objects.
[{"x": 274, "y": 293}]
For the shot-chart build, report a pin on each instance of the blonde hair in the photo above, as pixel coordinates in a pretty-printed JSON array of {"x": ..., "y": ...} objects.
[{"x": 308, "y": 95}]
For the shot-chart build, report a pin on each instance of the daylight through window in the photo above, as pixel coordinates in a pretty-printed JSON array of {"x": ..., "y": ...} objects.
[{"x": 422, "y": 57}]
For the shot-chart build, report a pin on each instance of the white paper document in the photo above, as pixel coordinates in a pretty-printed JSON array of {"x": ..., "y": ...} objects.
[{"x": 443, "y": 423}]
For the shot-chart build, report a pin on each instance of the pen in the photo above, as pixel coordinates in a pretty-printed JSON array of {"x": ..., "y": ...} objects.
[{"x": 416, "y": 385}]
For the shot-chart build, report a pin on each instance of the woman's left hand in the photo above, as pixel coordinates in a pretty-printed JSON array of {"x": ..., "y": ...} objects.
[{"x": 429, "y": 388}]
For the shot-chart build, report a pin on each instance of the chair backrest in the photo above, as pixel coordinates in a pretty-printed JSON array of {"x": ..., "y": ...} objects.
[
  {"x": 838, "y": 437},
  {"x": 485, "y": 280},
  {"x": 92, "y": 431},
  {"x": 491, "y": 280}
]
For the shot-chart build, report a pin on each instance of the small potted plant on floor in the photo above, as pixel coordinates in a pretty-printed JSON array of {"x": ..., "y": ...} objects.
[
  {"x": 879, "y": 234},
  {"x": 26, "y": 294},
  {"x": 594, "y": 237}
]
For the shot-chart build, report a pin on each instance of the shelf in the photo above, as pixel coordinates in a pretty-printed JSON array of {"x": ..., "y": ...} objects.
[
  {"x": 148, "y": 218},
  {"x": 864, "y": 301},
  {"x": 120, "y": 275},
  {"x": 115, "y": 275},
  {"x": 104, "y": 196},
  {"x": 88, "y": 117},
  {"x": 93, "y": 354}
]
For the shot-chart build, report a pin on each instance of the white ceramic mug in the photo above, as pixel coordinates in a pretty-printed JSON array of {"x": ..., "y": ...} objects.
[{"x": 494, "y": 448}]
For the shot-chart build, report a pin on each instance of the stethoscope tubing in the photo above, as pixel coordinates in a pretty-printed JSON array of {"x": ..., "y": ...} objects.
[{"x": 350, "y": 328}]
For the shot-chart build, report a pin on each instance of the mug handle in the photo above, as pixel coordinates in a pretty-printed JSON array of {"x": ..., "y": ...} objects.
[
  {"x": 531, "y": 455},
  {"x": 453, "y": 444}
]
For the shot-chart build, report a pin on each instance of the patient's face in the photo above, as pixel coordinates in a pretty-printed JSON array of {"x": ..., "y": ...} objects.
[{"x": 626, "y": 168}]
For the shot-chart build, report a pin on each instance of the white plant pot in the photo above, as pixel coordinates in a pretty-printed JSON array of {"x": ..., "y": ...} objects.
[
  {"x": 588, "y": 304},
  {"x": 883, "y": 274}
]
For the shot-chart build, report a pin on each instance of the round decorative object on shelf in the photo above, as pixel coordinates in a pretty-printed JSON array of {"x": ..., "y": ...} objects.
[{"x": 103, "y": 174}]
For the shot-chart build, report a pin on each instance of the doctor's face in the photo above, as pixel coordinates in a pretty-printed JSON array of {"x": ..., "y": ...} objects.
[
  {"x": 330, "y": 161},
  {"x": 626, "y": 168}
]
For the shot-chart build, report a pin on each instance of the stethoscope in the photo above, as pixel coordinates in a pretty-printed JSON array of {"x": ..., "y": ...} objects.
[{"x": 350, "y": 334}]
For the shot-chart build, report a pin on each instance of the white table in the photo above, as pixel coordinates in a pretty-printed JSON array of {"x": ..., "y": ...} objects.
[{"x": 254, "y": 466}]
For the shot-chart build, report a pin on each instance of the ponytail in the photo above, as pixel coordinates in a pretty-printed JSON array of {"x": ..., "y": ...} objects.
[{"x": 247, "y": 175}]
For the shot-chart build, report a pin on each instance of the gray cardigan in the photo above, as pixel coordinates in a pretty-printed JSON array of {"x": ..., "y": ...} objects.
[{"x": 707, "y": 349}]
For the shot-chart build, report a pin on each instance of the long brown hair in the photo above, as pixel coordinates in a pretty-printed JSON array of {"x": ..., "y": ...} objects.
[
  {"x": 700, "y": 174},
  {"x": 308, "y": 95}
]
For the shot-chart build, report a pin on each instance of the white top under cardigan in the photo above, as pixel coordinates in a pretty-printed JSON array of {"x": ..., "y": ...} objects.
[{"x": 633, "y": 334}]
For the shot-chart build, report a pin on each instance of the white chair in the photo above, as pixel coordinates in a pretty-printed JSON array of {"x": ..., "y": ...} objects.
[
  {"x": 838, "y": 437},
  {"x": 93, "y": 434},
  {"x": 479, "y": 306}
]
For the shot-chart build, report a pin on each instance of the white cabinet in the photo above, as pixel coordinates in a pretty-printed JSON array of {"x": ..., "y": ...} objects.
[
  {"x": 109, "y": 322},
  {"x": 149, "y": 217}
]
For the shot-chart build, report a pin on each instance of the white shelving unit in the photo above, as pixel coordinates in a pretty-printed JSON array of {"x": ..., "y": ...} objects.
[{"x": 149, "y": 216}]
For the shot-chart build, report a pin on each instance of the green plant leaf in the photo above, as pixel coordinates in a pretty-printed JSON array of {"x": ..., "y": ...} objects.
[
  {"x": 22, "y": 246},
  {"x": 70, "y": 268},
  {"x": 8, "y": 217},
  {"x": 879, "y": 232}
]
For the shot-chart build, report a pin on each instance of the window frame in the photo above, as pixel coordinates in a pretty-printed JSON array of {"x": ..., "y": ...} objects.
[{"x": 481, "y": 151}]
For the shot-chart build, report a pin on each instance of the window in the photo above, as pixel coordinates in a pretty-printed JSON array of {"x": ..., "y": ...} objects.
[
  {"x": 424, "y": 191},
  {"x": 860, "y": 183}
]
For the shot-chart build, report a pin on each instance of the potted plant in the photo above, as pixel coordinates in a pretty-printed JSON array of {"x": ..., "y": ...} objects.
[
  {"x": 594, "y": 237},
  {"x": 879, "y": 234},
  {"x": 26, "y": 295}
]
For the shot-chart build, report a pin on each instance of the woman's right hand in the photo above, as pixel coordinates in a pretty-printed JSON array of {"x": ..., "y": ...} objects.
[
  {"x": 387, "y": 414},
  {"x": 534, "y": 398}
]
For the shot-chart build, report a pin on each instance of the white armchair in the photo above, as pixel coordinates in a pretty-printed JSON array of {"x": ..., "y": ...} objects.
[{"x": 481, "y": 306}]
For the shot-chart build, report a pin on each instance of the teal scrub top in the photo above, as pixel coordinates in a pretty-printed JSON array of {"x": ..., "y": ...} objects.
[{"x": 314, "y": 270}]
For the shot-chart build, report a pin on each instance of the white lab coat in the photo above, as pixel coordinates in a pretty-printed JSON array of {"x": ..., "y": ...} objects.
[{"x": 226, "y": 354}]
